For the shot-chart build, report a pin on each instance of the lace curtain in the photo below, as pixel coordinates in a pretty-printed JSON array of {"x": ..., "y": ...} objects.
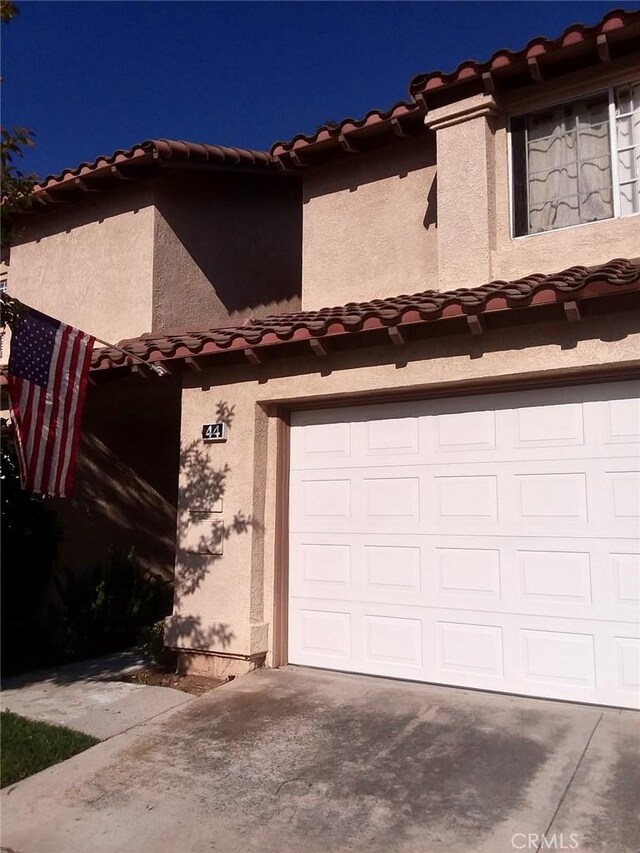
[
  {"x": 628, "y": 145},
  {"x": 569, "y": 165}
]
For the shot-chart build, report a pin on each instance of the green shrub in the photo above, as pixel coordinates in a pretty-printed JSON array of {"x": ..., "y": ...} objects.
[
  {"x": 104, "y": 609},
  {"x": 151, "y": 639}
]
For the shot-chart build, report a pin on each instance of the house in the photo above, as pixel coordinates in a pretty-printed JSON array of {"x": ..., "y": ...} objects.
[{"x": 441, "y": 486}]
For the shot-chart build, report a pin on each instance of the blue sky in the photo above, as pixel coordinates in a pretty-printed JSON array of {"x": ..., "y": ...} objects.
[{"x": 90, "y": 77}]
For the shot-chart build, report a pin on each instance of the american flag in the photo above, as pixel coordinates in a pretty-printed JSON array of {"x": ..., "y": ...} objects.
[{"x": 47, "y": 381}]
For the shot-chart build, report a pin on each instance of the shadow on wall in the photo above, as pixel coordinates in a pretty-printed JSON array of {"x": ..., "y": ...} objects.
[
  {"x": 244, "y": 235},
  {"x": 431, "y": 215},
  {"x": 393, "y": 161},
  {"x": 202, "y": 486},
  {"x": 113, "y": 506},
  {"x": 127, "y": 476}
]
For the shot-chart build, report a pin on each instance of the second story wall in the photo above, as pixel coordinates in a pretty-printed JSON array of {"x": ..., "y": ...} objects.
[
  {"x": 369, "y": 226},
  {"x": 182, "y": 249},
  {"x": 477, "y": 240},
  {"x": 90, "y": 263},
  {"x": 586, "y": 244},
  {"x": 226, "y": 247}
]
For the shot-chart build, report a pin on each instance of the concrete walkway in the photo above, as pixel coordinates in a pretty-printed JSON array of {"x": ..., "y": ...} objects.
[
  {"x": 312, "y": 762},
  {"x": 83, "y": 696}
]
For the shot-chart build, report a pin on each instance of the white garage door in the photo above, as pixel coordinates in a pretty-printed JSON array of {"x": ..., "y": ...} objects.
[{"x": 488, "y": 542}]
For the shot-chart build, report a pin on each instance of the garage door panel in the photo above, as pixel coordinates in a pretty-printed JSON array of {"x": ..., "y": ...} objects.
[
  {"x": 627, "y": 669},
  {"x": 626, "y": 576},
  {"x": 321, "y": 633},
  {"x": 558, "y": 657},
  {"x": 621, "y": 422},
  {"x": 466, "y": 572},
  {"x": 577, "y": 660},
  {"x": 572, "y": 578},
  {"x": 547, "y": 426},
  {"x": 470, "y": 648},
  {"x": 522, "y": 500},
  {"x": 517, "y": 428},
  {"x": 487, "y": 542}
]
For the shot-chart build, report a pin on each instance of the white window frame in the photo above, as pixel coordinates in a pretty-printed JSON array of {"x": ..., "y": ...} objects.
[{"x": 613, "y": 149}]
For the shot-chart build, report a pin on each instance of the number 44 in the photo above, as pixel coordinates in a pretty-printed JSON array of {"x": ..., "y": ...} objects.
[{"x": 213, "y": 432}]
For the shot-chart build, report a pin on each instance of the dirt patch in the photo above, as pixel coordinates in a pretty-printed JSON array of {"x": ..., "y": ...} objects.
[{"x": 156, "y": 676}]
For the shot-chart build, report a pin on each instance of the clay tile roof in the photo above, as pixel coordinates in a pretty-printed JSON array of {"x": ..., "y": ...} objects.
[
  {"x": 620, "y": 30},
  {"x": 537, "y": 289},
  {"x": 374, "y": 119},
  {"x": 165, "y": 150},
  {"x": 540, "y": 46}
]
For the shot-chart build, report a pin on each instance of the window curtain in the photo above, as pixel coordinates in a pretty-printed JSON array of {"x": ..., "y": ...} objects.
[
  {"x": 569, "y": 165},
  {"x": 628, "y": 144}
]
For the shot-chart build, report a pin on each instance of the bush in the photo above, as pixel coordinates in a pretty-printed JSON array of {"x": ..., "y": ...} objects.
[
  {"x": 29, "y": 548},
  {"x": 92, "y": 612},
  {"x": 151, "y": 638},
  {"x": 104, "y": 609}
]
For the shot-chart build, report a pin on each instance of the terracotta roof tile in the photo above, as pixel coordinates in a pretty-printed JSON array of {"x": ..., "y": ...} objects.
[
  {"x": 166, "y": 150},
  {"x": 431, "y": 305},
  {"x": 328, "y": 132},
  {"x": 402, "y": 117},
  {"x": 540, "y": 46},
  {"x": 618, "y": 26}
]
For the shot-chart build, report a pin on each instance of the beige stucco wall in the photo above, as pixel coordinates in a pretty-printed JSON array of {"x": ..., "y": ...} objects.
[
  {"x": 466, "y": 205},
  {"x": 584, "y": 245},
  {"x": 191, "y": 250},
  {"x": 224, "y": 603},
  {"x": 226, "y": 247},
  {"x": 90, "y": 263},
  {"x": 369, "y": 226},
  {"x": 474, "y": 206}
]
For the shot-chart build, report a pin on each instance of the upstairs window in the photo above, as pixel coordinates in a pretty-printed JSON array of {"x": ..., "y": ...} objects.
[{"x": 577, "y": 162}]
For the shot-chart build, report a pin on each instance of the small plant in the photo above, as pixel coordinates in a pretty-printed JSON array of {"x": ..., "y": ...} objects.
[{"x": 151, "y": 639}]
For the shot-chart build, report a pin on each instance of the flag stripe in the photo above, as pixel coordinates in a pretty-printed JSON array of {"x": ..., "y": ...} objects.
[
  {"x": 63, "y": 394},
  {"x": 31, "y": 449},
  {"x": 36, "y": 432},
  {"x": 74, "y": 350},
  {"x": 51, "y": 411},
  {"x": 48, "y": 372},
  {"x": 83, "y": 373},
  {"x": 79, "y": 389}
]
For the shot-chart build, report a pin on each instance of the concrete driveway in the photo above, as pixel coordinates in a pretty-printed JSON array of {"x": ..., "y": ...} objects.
[{"x": 301, "y": 760}]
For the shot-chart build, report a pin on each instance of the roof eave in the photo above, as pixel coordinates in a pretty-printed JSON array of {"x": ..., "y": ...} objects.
[{"x": 498, "y": 311}]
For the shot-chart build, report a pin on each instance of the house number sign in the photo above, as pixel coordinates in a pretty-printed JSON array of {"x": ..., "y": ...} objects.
[{"x": 214, "y": 432}]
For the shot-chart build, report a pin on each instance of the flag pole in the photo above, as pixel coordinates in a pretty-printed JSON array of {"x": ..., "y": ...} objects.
[
  {"x": 14, "y": 306},
  {"x": 152, "y": 365}
]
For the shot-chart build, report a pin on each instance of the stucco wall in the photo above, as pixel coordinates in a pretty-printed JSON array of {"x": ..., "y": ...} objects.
[
  {"x": 369, "y": 226},
  {"x": 226, "y": 247},
  {"x": 465, "y": 201},
  {"x": 585, "y": 245},
  {"x": 224, "y": 603},
  {"x": 90, "y": 263},
  {"x": 474, "y": 194}
]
